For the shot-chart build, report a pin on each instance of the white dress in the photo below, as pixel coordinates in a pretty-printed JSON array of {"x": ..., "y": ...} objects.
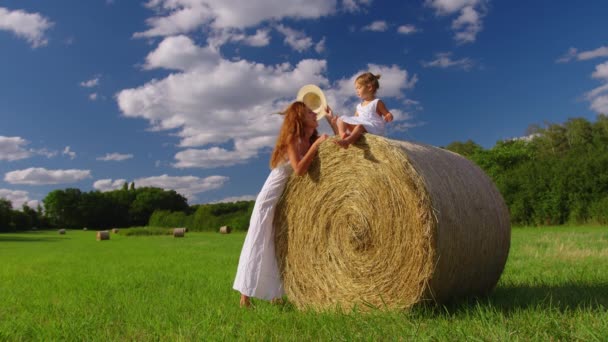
[
  {"x": 258, "y": 272},
  {"x": 368, "y": 118}
]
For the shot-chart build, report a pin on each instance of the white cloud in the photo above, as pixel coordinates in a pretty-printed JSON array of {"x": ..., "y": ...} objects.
[
  {"x": 221, "y": 37},
  {"x": 599, "y": 96},
  {"x": 18, "y": 198},
  {"x": 469, "y": 21},
  {"x": 180, "y": 53},
  {"x": 42, "y": 176},
  {"x": 115, "y": 157},
  {"x": 30, "y": 26},
  {"x": 597, "y": 91},
  {"x": 296, "y": 39},
  {"x": 355, "y": 5},
  {"x": 599, "y": 52},
  {"x": 219, "y": 102},
  {"x": 584, "y": 55},
  {"x": 12, "y": 148},
  {"x": 601, "y": 71},
  {"x": 600, "y": 104},
  {"x": 93, "y": 82},
  {"x": 407, "y": 29},
  {"x": 69, "y": 153},
  {"x": 236, "y": 199},
  {"x": 93, "y": 96},
  {"x": 320, "y": 46},
  {"x": 104, "y": 185},
  {"x": 376, "y": 26},
  {"x": 568, "y": 56},
  {"x": 183, "y": 16},
  {"x": 46, "y": 152},
  {"x": 187, "y": 186},
  {"x": 444, "y": 61}
]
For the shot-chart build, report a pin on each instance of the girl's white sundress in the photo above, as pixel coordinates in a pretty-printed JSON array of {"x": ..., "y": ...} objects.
[
  {"x": 258, "y": 272},
  {"x": 368, "y": 118}
]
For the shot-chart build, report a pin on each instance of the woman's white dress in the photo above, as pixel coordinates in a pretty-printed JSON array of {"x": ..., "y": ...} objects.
[
  {"x": 258, "y": 272},
  {"x": 367, "y": 117}
]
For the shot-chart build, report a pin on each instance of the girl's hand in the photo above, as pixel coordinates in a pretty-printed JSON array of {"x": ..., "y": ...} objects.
[{"x": 388, "y": 117}]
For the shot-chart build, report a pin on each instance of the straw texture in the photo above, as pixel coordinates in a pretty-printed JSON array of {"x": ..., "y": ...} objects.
[
  {"x": 225, "y": 230},
  {"x": 389, "y": 223},
  {"x": 103, "y": 235},
  {"x": 179, "y": 232}
]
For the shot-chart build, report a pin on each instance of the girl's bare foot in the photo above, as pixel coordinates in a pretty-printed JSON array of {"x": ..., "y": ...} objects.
[
  {"x": 344, "y": 135},
  {"x": 344, "y": 143},
  {"x": 245, "y": 302}
]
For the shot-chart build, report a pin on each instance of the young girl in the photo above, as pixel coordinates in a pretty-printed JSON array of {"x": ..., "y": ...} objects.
[
  {"x": 258, "y": 272},
  {"x": 370, "y": 114}
]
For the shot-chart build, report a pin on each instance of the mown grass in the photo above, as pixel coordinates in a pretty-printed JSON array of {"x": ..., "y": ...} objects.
[{"x": 71, "y": 287}]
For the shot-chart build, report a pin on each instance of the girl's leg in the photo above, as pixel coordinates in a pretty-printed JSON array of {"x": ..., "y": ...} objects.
[
  {"x": 341, "y": 128},
  {"x": 355, "y": 133},
  {"x": 245, "y": 302}
]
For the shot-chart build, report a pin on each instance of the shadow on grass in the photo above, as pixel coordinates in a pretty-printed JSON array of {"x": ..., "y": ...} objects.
[
  {"x": 506, "y": 299},
  {"x": 30, "y": 239}
]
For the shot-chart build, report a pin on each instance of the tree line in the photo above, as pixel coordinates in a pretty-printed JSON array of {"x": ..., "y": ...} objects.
[
  {"x": 207, "y": 217},
  {"x": 73, "y": 208},
  {"x": 557, "y": 174}
]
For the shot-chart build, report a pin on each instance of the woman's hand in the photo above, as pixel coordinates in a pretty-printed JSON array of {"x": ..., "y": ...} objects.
[
  {"x": 330, "y": 114},
  {"x": 320, "y": 139}
]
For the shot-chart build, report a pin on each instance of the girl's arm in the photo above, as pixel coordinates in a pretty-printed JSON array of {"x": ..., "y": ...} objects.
[
  {"x": 300, "y": 166},
  {"x": 383, "y": 112}
]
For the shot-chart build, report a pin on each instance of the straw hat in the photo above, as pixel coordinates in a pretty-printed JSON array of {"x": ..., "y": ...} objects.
[{"x": 313, "y": 98}]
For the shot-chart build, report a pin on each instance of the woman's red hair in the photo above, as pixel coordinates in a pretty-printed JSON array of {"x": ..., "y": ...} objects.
[{"x": 293, "y": 128}]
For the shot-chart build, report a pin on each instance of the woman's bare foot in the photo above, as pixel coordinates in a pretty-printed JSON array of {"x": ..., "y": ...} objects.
[
  {"x": 277, "y": 301},
  {"x": 245, "y": 302}
]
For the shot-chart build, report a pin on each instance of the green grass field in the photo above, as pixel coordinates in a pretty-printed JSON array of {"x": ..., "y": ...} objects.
[{"x": 72, "y": 287}]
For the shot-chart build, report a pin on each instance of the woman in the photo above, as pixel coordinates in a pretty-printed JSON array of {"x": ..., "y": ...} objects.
[{"x": 258, "y": 273}]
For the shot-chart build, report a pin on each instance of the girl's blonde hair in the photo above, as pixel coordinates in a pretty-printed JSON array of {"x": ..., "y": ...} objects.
[
  {"x": 369, "y": 79},
  {"x": 293, "y": 128}
]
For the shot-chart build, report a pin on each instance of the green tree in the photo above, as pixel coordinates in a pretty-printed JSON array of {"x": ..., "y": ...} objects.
[
  {"x": 6, "y": 208},
  {"x": 465, "y": 149},
  {"x": 62, "y": 208}
]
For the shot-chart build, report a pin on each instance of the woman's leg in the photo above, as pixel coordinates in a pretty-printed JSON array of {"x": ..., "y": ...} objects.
[{"x": 245, "y": 302}]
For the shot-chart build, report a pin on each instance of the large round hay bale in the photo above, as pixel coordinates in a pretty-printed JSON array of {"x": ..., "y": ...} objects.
[
  {"x": 103, "y": 235},
  {"x": 61, "y": 231},
  {"x": 389, "y": 224},
  {"x": 225, "y": 230},
  {"x": 179, "y": 232}
]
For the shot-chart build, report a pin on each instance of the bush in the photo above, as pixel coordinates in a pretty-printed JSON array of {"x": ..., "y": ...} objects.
[
  {"x": 147, "y": 231},
  {"x": 599, "y": 211}
]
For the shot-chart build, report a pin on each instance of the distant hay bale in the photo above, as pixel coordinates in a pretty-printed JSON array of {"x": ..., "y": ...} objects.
[
  {"x": 179, "y": 232},
  {"x": 225, "y": 230},
  {"x": 114, "y": 230},
  {"x": 61, "y": 231},
  {"x": 389, "y": 224},
  {"x": 85, "y": 228},
  {"x": 103, "y": 235}
]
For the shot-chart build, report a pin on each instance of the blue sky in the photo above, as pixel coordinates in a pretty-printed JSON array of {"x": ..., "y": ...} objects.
[{"x": 179, "y": 93}]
